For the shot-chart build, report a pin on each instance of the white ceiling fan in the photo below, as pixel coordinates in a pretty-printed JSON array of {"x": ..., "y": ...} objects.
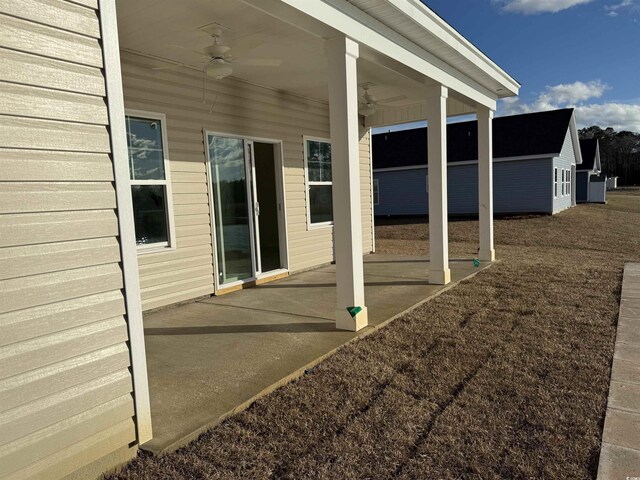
[
  {"x": 219, "y": 61},
  {"x": 369, "y": 104}
]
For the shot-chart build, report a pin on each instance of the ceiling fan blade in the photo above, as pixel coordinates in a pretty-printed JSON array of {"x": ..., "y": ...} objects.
[
  {"x": 169, "y": 67},
  {"x": 243, "y": 46},
  {"x": 257, "y": 62},
  {"x": 392, "y": 99},
  {"x": 182, "y": 47}
]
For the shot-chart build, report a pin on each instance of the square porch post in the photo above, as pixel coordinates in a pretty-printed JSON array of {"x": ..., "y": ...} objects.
[
  {"x": 342, "y": 54},
  {"x": 485, "y": 183},
  {"x": 439, "y": 273}
]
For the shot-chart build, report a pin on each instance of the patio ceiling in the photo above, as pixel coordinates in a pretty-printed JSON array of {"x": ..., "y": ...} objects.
[
  {"x": 169, "y": 32},
  {"x": 167, "y": 29}
]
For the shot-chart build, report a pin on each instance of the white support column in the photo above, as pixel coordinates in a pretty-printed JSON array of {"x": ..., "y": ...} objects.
[
  {"x": 342, "y": 54},
  {"x": 439, "y": 273},
  {"x": 485, "y": 183}
]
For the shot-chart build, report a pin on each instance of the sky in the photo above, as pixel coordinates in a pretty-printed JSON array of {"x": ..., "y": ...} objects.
[{"x": 565, "y": 53}]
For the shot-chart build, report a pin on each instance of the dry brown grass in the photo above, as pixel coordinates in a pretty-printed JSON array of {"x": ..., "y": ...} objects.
[{"x": 506, "y": 376}]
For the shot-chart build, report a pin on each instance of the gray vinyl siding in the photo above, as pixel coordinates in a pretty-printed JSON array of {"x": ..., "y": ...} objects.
[
  {"x": 563, "y": 162},
  {"x": 402, "y": 192},
  {"x": 235, "y": 108},
  {"x": 582, "y": 187},
  {"x": 518, "y": 187},
  {"x": 65, "y": 385},
  {"x": 523, "y": 186}
]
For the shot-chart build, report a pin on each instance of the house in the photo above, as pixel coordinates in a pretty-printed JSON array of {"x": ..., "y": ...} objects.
[
  {"x": 589, "y": 172},
  {"x": 612, "y": 183},
  {"x": 534, "y": 164},
  {"x": 163, "y": 151}
]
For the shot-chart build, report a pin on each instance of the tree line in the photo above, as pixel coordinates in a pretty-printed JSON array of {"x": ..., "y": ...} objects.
[{"x": 619, "y": 153}]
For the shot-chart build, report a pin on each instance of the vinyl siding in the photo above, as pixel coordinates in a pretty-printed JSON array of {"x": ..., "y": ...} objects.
[
  {"x": 65, "y": 386},
  {"x": 366, "y": 192},
  {"x": 402, "y": 192},
  {"x": 518, "y": 187},
  {"x": 235, "y": 108},
  {"x": 564, "y": 161}
]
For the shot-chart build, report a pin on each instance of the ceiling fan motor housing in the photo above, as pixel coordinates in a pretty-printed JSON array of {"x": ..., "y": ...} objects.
[{"x": 217, "y": 51}]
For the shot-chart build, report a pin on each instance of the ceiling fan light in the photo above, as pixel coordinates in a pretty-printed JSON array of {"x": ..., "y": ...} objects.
[{"x": 218, "y": 69}]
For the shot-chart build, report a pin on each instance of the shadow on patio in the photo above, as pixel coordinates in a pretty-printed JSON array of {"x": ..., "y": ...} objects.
[{"x": 212, "y": 357}]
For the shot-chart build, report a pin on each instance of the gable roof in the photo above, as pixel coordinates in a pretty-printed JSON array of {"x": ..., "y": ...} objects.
[
  {"x": 590, "y": 155},
  {"x": 531, "y": 134}
]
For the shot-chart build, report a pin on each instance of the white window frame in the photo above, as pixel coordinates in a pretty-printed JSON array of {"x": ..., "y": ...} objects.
[
  {"x": 170, "y": 244},
  {"x": 375, "y": 193},
  {"x": 555, "y": 182},
  {"x": 568, "y": 179},
  {"x": 308, "y": 184}
]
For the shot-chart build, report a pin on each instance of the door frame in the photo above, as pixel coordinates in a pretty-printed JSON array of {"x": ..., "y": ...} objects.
[{"x": 278, "y": 156}]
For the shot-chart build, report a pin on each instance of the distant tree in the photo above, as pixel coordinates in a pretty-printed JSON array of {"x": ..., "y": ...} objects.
[{"x": 619, "y": 153}]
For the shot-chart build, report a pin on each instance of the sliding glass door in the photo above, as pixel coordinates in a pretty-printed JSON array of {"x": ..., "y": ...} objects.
[{"x": 233, "y": 210}]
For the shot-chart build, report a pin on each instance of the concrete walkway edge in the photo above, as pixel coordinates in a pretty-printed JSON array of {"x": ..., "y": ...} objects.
[{"x": 620, "y": 451}]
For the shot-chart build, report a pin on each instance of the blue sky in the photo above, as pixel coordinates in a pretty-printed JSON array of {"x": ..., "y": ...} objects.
[{"x": 582, "y": 53}]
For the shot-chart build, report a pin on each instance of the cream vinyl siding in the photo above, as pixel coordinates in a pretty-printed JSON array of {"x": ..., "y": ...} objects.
[
  {"x": 65, "y": 386},
  {"x": 236, "y": 108},
  {"x": 366, "y": 192}
]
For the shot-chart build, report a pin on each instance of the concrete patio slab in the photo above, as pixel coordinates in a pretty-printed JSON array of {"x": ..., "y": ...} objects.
[
  {"x": 211, "y": 358},
  {"x": 620, "y": 452}
]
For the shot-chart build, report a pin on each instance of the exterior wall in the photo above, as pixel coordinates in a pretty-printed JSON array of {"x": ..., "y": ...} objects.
[
  {"x": 582, "y": 187},
  {"x": 518, "y": 187},
  {"x": 402, "y": 192},
  {"x": 237, "y": 108},
  {"x": 523, "y": 186},
  {"x": 65, "y": 385},
  {"x": 565, "y": 161},
  {"x": 366, "y": 192},
  {"x": 597, "y": 192}
]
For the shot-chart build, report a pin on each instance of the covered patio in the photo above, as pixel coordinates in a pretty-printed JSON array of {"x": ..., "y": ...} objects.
[
  {"x": 208, "y": 358},
  {"x": 213, "y": 357}
]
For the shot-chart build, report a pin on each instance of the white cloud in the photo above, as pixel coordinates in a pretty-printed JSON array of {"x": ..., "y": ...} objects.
[
  {"x": 620, "y": 116},
  {"x": 613, "y": 10},
  {"x": 533, "y": 7},
  {"x": 573, "y": 92}
]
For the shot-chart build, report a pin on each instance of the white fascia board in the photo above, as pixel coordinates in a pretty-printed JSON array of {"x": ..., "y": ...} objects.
[
  {"x": 575, "y": 138},
  {"x": 468, "y": 162},
  {"x": 364, "y": 29},
  {"x": 430, "y": 21}
]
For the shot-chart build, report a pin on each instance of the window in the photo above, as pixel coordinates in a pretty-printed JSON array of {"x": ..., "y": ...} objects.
[
  {"x": 376, "y": 192},
  {"x": 563, "y": 182},
  {"x": 150, "y": 182},
  {"x": 568, "y": 179},
  {"x": 555, "y": 182},
  {"x": 317, "y": 157}
]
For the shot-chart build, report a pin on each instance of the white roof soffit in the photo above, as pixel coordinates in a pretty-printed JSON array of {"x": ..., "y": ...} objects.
[{"x": 479, "y": 80}]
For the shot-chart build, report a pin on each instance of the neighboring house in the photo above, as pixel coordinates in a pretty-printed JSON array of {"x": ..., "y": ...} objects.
[
  {"x": 535, "y": 157},
  {"x": 612, "y": 183},
  {"x": 131, "y": 179},
  {"x": 588, "y": 171}
]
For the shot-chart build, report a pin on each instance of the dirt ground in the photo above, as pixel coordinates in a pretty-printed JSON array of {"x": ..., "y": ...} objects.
[{"x": 505, "y": 376}]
